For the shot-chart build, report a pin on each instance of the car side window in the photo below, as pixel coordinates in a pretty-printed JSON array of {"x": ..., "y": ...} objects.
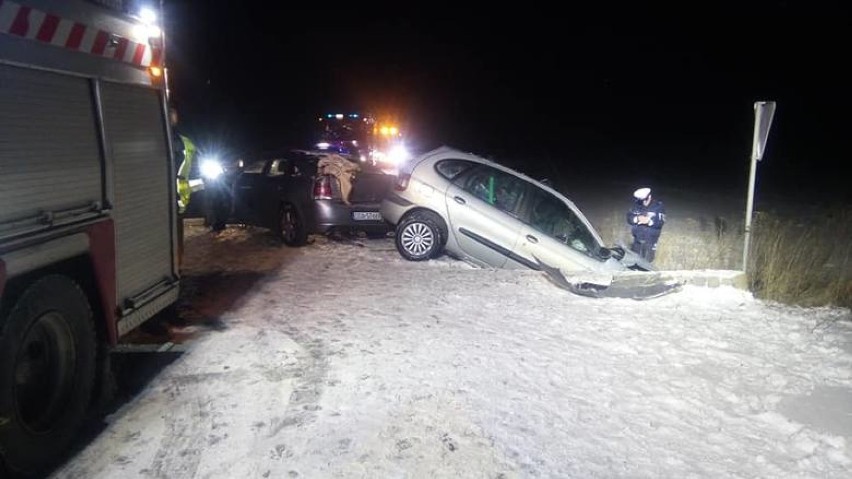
[
  {"x": 550, "y": 215},
  {"x": 254, "y": 167},
  {"x": 450, "y": 169},
  {"x": 279, "y": 167},
  {"x": 500, "y": 189},
  {"x": 303, "y": 166}
]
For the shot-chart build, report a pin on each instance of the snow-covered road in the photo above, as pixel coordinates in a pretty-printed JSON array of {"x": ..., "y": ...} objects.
[{"x": 347, "y": 361}]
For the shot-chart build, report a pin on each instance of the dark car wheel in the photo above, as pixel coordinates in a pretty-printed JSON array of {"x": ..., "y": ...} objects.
[
  {"x": 419, "y": 236},
  {"x": 291, "y": 227},
  {"x": 47, "y": 371}
]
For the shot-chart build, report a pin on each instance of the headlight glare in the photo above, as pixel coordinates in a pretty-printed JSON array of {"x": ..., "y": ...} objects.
[{"x": 211, "y": 169}]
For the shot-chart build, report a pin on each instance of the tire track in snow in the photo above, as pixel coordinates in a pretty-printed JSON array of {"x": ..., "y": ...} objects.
[
  {"x": 188, "y": 420},
  {"x": 309, "y": 383}
]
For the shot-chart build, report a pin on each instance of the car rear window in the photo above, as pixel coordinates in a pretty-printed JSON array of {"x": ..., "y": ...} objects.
[{"x": 449, "y": 169}]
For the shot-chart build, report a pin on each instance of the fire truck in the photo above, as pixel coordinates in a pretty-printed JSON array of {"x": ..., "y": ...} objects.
[
  {"x": 88, "y": 243},
  {"x": 362, "y": 137}
]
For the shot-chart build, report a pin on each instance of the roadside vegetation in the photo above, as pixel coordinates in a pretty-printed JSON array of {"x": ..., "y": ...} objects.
[
  {"x": 803, "y": 263},
  {"x": 791, "y": 261}
]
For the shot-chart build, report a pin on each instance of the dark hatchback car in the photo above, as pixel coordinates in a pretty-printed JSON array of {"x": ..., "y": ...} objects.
[{"x": 285, "y": 193}]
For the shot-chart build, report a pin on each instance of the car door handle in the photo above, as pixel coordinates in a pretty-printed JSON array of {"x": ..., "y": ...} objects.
[
  {"x": 459, "y": 200},
  {"x": 532, "y": 239}
]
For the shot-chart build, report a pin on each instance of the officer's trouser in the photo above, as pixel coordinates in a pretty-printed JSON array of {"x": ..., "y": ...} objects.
[{"x": 646, "y": 249}]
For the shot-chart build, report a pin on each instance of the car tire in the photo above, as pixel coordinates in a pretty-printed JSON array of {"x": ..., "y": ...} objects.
[
  {"x": 291, "y": 228},
  {"x": 419, "y": 236},
  {"x": 47, "y": 373}
]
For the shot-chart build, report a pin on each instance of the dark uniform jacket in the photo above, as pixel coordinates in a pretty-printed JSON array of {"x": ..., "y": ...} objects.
[{"x": 648, "y": 233}]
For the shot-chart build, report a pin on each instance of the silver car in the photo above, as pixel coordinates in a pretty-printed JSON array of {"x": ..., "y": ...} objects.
[{"x": 477, "y": 210}]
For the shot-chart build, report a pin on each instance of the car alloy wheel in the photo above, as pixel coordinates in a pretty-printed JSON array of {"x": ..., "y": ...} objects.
[
  {"x": 419, "y": 237},
  {"x": 288, "y": 225},
  {"x": 291, "y": 228}
]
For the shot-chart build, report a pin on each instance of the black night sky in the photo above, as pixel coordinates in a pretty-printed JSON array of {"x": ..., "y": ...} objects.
[{"x": 628, "y": 93}]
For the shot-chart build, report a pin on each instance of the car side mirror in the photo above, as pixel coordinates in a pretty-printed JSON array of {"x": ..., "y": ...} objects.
[{"x": 604, "y": 253}]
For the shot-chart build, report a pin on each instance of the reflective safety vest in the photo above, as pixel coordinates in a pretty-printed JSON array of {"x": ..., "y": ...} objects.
[{"x": 184, "y": 187}]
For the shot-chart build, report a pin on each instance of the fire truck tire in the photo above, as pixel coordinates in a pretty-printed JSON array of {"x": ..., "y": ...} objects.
[{"x": 47, "y": 371}]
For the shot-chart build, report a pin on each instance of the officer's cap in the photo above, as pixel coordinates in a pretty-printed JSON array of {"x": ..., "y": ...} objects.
[{"x": 642, "y": 193}]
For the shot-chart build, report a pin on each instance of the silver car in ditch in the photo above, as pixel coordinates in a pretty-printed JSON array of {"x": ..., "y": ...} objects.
[{"x": 485, "y": 213}]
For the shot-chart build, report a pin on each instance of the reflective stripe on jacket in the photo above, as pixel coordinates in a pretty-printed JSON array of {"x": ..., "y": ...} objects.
[{"x": 184, "y": 191}]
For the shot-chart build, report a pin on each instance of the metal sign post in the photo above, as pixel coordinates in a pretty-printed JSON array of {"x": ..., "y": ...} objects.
[{"x": 764, "y": 111}]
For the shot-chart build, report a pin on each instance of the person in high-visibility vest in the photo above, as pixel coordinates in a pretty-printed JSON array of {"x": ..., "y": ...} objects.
[
  {"x": 184, "y": 189},
  {"x": 184, "y": 152}
]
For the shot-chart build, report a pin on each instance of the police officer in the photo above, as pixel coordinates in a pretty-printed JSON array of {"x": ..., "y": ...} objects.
[{"x": 646, "y": 219}]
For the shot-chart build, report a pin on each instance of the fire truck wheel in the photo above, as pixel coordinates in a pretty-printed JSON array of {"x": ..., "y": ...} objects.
[
  {"x": 47, "y": 369},
  {"x": 291, "y": 227}
]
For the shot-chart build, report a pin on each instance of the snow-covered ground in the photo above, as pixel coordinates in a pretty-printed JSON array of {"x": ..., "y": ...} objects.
[{"x": 343, "y": 360}]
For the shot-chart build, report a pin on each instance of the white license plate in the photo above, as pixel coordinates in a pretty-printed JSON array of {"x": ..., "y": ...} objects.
[{"x": 366, "y": 216}]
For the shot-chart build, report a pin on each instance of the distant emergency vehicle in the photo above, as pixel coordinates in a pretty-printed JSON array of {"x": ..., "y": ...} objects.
[{"x": 362, "y": 137}]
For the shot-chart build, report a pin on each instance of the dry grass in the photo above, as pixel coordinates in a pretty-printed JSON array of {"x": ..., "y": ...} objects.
[
  {"x": 806, "y": 264},
  {"x": 790, "y": 261},
  {"x": 685, "y": 244},
  {"x": 803, "y": 263}
]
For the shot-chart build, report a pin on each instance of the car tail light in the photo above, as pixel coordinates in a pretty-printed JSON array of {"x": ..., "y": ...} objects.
[
  {"x": 402, "y": 182},
  {"x": 322, "y": 188}
]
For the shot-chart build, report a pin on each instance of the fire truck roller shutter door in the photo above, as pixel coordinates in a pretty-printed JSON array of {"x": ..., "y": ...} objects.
[
  {"x": 35, "y": 105},
  {"x": 135, "y": 131}
]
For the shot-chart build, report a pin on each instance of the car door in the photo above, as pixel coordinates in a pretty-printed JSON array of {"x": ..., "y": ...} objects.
[
  {"x": 482, "y": 205},
  {"x": 247, "y": 192},
  {"x": 554, "y": 233}
]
